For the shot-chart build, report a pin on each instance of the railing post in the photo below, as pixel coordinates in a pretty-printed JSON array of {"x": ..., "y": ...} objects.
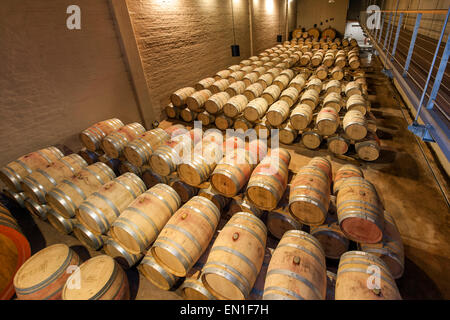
[
  {"x": 439, "y": 75},
  {"x": 381, "y": 29},
  {"x": 397, "y": 35},
  {"x": 411, "y": 44},
  {"x": 387, "y": 31}
]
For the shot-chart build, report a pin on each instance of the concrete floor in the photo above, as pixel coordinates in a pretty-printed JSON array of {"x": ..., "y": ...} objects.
[{"x": 401, "y": 175}]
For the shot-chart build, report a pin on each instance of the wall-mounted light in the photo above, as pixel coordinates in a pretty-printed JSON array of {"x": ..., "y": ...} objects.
[{"x": 269, "y": 6}]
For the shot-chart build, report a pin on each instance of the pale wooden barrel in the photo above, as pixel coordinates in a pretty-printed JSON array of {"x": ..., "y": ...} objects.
[
  {"x": 297, "y": 270},
  {"x": 178, "y": 98},
  {"x": 287, "y": 133},
  {"x": 269, "y": 179},
  {"x": 223, "y": 74},
  {"x": 257, "y": 291},
  {"x": 102, "y": 278},
  {"x": 322, "y": 72},
  {"x": 309, "y": 199},
  {"x": 340, "y": 61},
  {"x": 233, "y": 172},
  {"x": 390, "y": 249},
  {"x": 315, "y": 84},
  {"x": 262, "y": 128},
  {"x": 210, "y": 193},
  {"x": 63, "y": 225},
  {"x": 39, "y": 182},
  {"x": 235, "y": 106},
  {"x": 298, "y": 83},
  {"x": 310, "y": 97},
  {"x": 172, "y": 111},
  {"x": 43, "y": 275},
  {"x": 114, "y": 143},
  {"x": 241, "y": 203},
  {"x": 333, "y": 100},
  {"x": 193, "y": 289},
  {"x": 140, "y": 223},
  {"x": 332, "y": 239},
  {"x": 345, "y": 172},
  {"x": 186, "y": 235},
  {"x": 305, "y": 59},
  {"x": 275, "y": 72},
  {"x": 290, "y": 95},
  {"x": 327, "y": 121},
  {"x": 251, "y": 78},
  {"x": 253, "y": 91},
  {"x": 331, "y": 285},
  {"x": 311, "y": 139},
  {"x": 188, "y": 115},
  {"x": 166, "y": 158},
  {"x": 236, "y": 257},
  {"x": 271, "y": 94},
  {"x": 184, "y": 190},
  {"x": 92, "y": 137},
  {"x": 196, "y": 101},
  {"x": 360, "y": 211},
  {"x": 256, "y": 109},
  {"x": 355, "y": 124},
  {"x": 281, "y": 81},
  {"x": 236, "y": 88},
  {"x": 139, "y": 150},
  {"x": 288, "y": 72},
  {"x": 223, "y": 122},
  {"x": 71, "y": 192},
  {"x": 243, "y": 124},
  {"x": 260, "y": 71},
  {"x": 279, "y": 220},
  {"x": 328, "y": 60},
  {"x": 265, "y": 80},
  {"x": 15, "y": 250},
  {"x": 278, "y": 113},
  {"x": 338, "y": 144},
  {"x": 301, "y": 116},
  {"x": 247, "y": 69},
  {"x": 216, "y": 102},
  {"x": 333, "y": 86},
  {"x": 151, "y": 178},
  {"x": 14, "y": 172},
  {"x": 236, "y": 76},
  {"x": 354, "y": 62},
  {"x": 120, "y": 254},
  {"x": 206, "y": 118},
  {"x": 204, "y": 83},
  {"x": 316, "y": 59},
  {"x": 156, "y": 274},
  {"x": 36, "y": 208},
  {"x": 352, "y": 88},
  {"x": 354, "y": 274},
  {"x": 87, "y": 237},
  {"x": 368, "y": 148},
  {"x": 337, "y": 73}
]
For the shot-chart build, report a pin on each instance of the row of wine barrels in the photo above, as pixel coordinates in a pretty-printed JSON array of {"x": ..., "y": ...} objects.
[
  {"x": 114, "y": 143},
  {"x": 39, "y": 182},
  {"x": 15, "y": 250},
  {"x": 71, "y": 192},
  {"x": 92, "y": 137},
  {"x": 14, "y": 172}
]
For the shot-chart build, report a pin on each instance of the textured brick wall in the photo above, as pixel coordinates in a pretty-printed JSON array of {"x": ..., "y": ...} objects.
[
  {"x": 183, "y": 41},
  {"x": 55, "y": 82}
]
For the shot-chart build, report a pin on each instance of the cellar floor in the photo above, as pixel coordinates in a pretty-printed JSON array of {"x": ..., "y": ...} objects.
[{"x": 400, "y": 174}]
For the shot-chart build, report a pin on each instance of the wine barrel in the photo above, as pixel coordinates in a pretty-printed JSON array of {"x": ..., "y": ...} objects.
[
  {"x": 355, "y": 125},
  {"x": 281, "y": 81},
  {"x": 256, "y": 109},
  {"x": 345, "y": 172},
  {"x": 297, "y": 270},
  {"x": 242, "y": 124},
  {"x": 314, "y": 83},
  {"x": 156, "y": 274},
  {"x": 71, "y": 192},
  {"x": 287, "y": 134},
  {"x": 236, "y": 76},
  {"x": 333, "y": 86},
  {"x": 101, "y": 277},
  {"x": 301, "y": 116},
  {"x": 61, "y": 224},
  {"x": 15, "y": 250},
  {"x": 236, "y": 257},
  {"x": 265, "y": 80},
  {"x": 278, "y": 113},
  {"x": 356, "y": 272},
  {"x": 327, "y": 121},
  {"x": 333, "y": 100},
  {"x": 206, "y": 118},
  {"x": 253, "y": 91},
  {"x": 275, "y": 72},
  {"x": 269, "y": 179},
  {"x": 331, "y": 285},
  {"x": 172, "y": 111},
  {"x": 352, "y": 88},
  {"x": 332, "y": 239},
  {"x": 223, "y": 122},
  {"x": 210, "y": 193},
  {"x": 139, "y": 150},
  {"x": 196, "y": 101},
  {"x": 311, "y": 139},
  {"x": 271, "y": 93},
  {"x": 92, "y": 137},
  {"x": 236, "y": 88},
  {"x": 279, "y": 220},
  {"x": 337, "y": 73},
  {"x": 338, "y": 144},
  {"x": 298, "y": 83},
  {"x": 354, "y": 62},
  {"x": 88, "y": 238},
  {"x": 103, "y": 207},
  {"x": 193, "y": 289},
  {"x": 114, "y": 143},
  {"x": 328, "y": 60},
  {"x": 251, "y": 78},
  {"x": 39, "y": 182},
  {"x": 140, "y": 223},
  {"x": 309, "y": 198},
  {"x": 235, "y": 106},
  {"x": 360, "y": 211},
  {"x": 223, "y": 74},
  {"x": 290, "y": 95},
  {"x": 390, "y": 249},
  {"x": 186, "y": 235},
  {"x": 204, "y": 83},
  {"x": 322, "y": 72},
  {"x": 369, "y": 147},
  {"x": 120, "y": 254},
  {"x": 184, "y": 190},
  {"x": 257, "y": 291},
  {"x": 178, "y": 98},
  {"x": 43, "y": 275},
  {"x": 216, "y": 102},
  {"x": 187, "y": 115},
  {"x": 19, "y": 198},
  {"x": 14, "y": 172},
  {"x": 126, "y": 166},
  {"x": 262, "y": 128},
  {"x": 310, "y": 97},
  {"x": 241, "y": 203},
  {"x": 305, "y": 59}
]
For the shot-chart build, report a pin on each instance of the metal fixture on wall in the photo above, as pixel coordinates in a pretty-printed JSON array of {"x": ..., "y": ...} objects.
[{"x": 235, "y": 52}]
